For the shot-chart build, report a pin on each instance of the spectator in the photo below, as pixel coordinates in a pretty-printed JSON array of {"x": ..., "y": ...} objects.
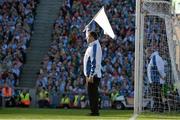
[
  {"x": 65, "y": 101},
  {"x": 16, "y": 25},
  {"x": 25, "y": 98},
  {"x": 7, "y": 94},
  {"x": 43, "y": 98}
]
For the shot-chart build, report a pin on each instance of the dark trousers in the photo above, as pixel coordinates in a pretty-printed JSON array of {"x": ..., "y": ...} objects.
[
  {"x": 0, "y": 101},
  {"x": 157, "y": 97},
  {"x": 43, "y": 103},
  {"x": 94, "y": 95},
  {"x": 65, "y": 106}
]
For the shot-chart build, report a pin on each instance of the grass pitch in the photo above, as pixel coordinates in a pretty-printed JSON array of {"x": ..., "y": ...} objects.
[{"x": 79, "y": 114}]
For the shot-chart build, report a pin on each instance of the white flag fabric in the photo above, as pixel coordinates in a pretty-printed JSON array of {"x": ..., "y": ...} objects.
[{"x": 103, "y": 22}]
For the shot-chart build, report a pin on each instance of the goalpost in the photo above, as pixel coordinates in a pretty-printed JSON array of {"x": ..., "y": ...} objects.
[{"x": 156, "y": 29}]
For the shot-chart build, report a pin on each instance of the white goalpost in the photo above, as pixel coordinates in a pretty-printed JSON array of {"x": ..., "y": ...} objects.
[{"x": 157, "y": 29}]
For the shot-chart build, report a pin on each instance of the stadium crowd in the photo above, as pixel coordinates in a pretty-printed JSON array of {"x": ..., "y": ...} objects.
[
  {"x": 16, "y": 26},
  {"x": 60, "y": 81},
  {"x": 62, "y": 68}
]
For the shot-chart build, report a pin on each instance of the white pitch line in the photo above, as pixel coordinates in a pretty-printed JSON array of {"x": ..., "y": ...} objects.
[{"x": 134, "y": 117}]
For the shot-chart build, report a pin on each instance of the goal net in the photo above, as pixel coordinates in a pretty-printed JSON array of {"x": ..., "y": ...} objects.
[{"x": 157, "y": 70}]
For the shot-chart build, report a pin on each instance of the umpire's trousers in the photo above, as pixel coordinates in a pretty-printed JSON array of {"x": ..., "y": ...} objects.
[
  {"x": 157, "y": 97},
  {"x": 94, "y": 95}
]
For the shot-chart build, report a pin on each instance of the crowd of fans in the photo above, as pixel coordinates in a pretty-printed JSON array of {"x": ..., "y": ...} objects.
[
  {"x": 62, "y": 67},
  {"x": 16, "y": 26},
  {"x": 60, "y": 81}
]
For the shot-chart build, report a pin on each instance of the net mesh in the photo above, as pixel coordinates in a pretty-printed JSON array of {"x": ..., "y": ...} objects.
[
  {"x": 161, "y": 59},
  {"x": 157, "y": 6},
  {"x": 176, "y": 38}
]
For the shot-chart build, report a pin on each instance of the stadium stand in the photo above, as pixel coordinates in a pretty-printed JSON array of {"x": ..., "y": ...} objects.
[
  {"x": 16, "y": 27},
  {"x": 60, "y": 81},
  {"x": 61, "y": 71}
]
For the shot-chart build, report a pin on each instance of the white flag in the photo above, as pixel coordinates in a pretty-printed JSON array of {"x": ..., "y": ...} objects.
[{"x": 103, "y": 21}]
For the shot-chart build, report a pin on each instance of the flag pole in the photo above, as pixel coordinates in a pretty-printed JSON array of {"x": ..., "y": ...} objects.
[
  {"x": 92, "y": 19},
  {"x": 88, "y": 25}
]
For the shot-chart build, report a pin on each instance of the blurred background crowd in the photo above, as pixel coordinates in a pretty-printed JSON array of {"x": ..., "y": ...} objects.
[{"x": 16, "y": 27}]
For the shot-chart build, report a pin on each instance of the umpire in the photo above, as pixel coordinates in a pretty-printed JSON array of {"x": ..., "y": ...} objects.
[
  {"x": 156, "y": 75},
  {"x": 92, "y": 70}
]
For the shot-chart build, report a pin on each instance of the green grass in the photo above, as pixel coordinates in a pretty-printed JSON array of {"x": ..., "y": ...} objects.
[
  {"x": 75, "y": 114},
  {"x": 62, "y": 114},
  {"x": 159, "y": 116}
]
